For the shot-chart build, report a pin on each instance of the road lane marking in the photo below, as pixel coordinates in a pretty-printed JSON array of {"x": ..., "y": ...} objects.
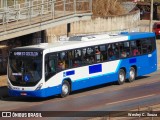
[{"x": 130, "y": 99}]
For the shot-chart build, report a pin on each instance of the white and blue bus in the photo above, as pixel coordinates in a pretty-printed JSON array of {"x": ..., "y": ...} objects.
[{"x": 83, "y": 61}]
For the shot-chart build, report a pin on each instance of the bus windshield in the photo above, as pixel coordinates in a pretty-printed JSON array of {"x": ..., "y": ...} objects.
[{"x": 25, "y": 70}]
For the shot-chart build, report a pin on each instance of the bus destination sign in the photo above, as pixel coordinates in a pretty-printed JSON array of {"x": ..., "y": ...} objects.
[{"x": 32, "y": 54}]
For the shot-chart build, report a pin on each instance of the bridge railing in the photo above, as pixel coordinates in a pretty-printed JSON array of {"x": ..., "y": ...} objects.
[{"x": 36, "y": 12}]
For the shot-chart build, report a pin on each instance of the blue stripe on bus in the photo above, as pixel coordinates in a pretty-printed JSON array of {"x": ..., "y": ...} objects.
[
  {"x": 134, "y": 60},
  {"x": 95, "y": 68}
]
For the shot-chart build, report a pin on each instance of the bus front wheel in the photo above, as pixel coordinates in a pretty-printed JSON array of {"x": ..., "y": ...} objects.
[
  {"x": 65, "y": 89},
  {"x": 121, "y": 76},
  {"x": 132, "y": 74}
]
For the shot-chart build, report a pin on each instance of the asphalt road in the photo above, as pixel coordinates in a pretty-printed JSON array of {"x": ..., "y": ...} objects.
[{"x": 145, "y": 91}]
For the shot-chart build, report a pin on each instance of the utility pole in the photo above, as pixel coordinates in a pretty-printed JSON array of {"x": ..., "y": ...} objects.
[
  {"x": 151, "y": 16},
  {"x": 1, "y": 3},
  {"x": 4, "y": 3}
]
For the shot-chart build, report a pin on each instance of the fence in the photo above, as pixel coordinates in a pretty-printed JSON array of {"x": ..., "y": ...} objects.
[{"x": 39, "y": 11}]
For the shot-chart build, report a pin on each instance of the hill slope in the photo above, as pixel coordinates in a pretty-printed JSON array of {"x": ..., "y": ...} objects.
[{"x": 107, "y": 7}]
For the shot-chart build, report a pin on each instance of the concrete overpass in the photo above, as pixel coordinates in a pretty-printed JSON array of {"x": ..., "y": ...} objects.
[{"x": 37, "y": 15}]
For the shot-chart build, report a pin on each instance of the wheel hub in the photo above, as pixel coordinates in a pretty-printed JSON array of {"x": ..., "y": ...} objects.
[{"x": 65, "y": 89}]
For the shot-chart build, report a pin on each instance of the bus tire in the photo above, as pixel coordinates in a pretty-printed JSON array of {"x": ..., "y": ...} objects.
[
  {"x": 132, "y": 74},
  {"x": 121, "y": 77},
  {"x": 65, "y": 89}
]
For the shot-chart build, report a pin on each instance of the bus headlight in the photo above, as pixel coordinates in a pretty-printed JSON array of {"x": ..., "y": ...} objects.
[{"x": 39, "y": 86}]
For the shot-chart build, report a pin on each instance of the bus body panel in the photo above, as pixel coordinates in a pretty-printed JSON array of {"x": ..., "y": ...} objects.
[
  {"x": 45, "y": 92},
  {"x": 91, "y": 77},
  {"x": 92, "y": 74},
  {"x": 136, "y": 35}
]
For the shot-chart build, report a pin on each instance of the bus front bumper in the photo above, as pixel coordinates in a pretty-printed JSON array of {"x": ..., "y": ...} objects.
[{"x": 42, "y": 93}]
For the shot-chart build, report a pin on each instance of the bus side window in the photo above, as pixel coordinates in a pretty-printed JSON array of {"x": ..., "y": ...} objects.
[
  {"x": 100, "y": 53},
  {"x": 77, "y": 61},
  {"x": 153, "y": 42},
  {"x": 84, "y": 52},
  {"x": 70, "y": 57},
  {"x": 138, "y": 44},
  {"x": 124, "y": 49},
  {"x": 103, "y": 52},
  {"x": 113, "y": 51},
  {"x": 88, "y": 55},
  {"x": 50, "y": 66},
  {"x": 135, "y": 48},
  {"x": 61, "y": 65},
  {"x": 46, "y": 66},
  {"x": 61, "y": 60},
  {"x": 146, "y": 46}
]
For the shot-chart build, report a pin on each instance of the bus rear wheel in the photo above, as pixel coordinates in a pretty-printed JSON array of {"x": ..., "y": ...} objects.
[
  {"x": 132, "y": 74},
  {"x": 65, "y": 89},
  {"x": 121, "y": 76}
]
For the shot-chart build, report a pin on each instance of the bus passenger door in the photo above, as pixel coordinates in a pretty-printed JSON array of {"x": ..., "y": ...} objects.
[{"x": 50, "y": 66}]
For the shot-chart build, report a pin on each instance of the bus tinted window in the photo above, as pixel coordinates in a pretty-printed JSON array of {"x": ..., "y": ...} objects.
[
  {"x": 124, "y": 49},
  {"x": 153, "y": 42},
  {"x": 63, "y": 61},
  {"x": 88, "y": 55},
  {"x": 135, "y": 48},
  {"x": 146, "y": 46},
  {"x": 25, "y": 67},
  {"x": 113, "y": 51},
  {"x": 98, "y": 55},
  {"x": 77, "y": 60},
  {"x": 50, "y": 66}
]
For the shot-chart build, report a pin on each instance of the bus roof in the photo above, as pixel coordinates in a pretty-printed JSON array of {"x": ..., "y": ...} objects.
[
  {"x": 88, "y": 40},
  {"x": 140, "y": 35}
]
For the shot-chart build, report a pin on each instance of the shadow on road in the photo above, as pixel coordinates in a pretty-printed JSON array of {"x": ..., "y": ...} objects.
[
  {"x": 3, "y": 92},
  {"x": 105, "y": 85},
  {"x": 5, "y": 97},
  {"x": 27, "y": 99}
]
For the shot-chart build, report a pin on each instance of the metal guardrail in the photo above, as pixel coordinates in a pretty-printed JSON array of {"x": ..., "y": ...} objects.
[{"x": 39, "y": 11}]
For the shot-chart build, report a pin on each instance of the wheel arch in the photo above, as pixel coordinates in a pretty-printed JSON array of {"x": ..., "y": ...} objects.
[
  {"x": 135, "y": 67},
  {"x": 69, "y": 81},
  {"x": 120, "y": 82},
  {"x": 123, "y": 68}
]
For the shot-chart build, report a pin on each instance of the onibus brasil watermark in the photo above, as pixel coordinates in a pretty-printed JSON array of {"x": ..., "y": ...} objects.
[
  {"x": 21, "y": 114},
  {"x": 142, "y": 114}
]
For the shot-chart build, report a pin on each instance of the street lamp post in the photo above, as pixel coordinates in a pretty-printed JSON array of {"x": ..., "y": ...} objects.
[
  {"x": 151, "y": 16},
  {"x": 3, "y": 3}
]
